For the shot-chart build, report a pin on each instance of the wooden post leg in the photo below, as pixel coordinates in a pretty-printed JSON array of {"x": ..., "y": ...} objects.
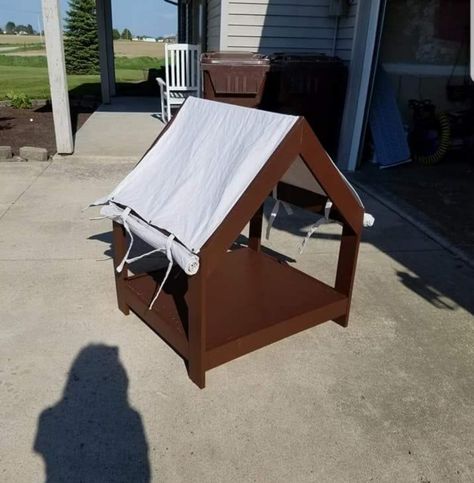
[
  {"x": 119, "y": 239},
  {"x": 197, "y": 326},
  {"x": 346, "y": 267},
  {"x": 255, "y": 230}
]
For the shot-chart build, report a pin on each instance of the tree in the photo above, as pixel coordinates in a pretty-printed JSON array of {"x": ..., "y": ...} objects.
[
  {"x": 29, "y": 30},
  {"x": 126, "y": 34},
  {"x": 10, "y": 27},
  {"x": 115, "y": 34},
  {"x": 81, "y": 43},
  {"x": 20, "y": 28}
]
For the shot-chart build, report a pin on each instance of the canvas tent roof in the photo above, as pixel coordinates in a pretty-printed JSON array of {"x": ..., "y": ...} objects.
[
  {"x": 192, "y": 177},
  {"x": 201, "y": 165}
]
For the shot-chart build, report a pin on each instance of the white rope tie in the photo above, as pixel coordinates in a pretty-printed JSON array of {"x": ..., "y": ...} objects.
[
  {"x": 287, "y": 207},
  {"x": 274, "y": 212},
  {"x": 169, "y": 241},
  {"x": 143, "y": 255},
  {"x": 125, "y": 259},
  {"x": 309, "y": 234},
  {"x": 369, "y": 220},
  {"x": 124, "y": 216},
  {"x": 322, "y": 221},
  {"x": 327, "y": 209}
]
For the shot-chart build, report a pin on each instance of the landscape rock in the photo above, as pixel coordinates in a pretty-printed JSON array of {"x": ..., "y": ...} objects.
[
  {"x": 39, "y": 102},
  {"x": 34, "y": 154},
  {"x": 5, "y": 152}
]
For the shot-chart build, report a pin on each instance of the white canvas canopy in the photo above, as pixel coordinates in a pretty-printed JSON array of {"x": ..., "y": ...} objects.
[
  {"x": 188, "y": 182},
  {"x": 193, "y": 176}
]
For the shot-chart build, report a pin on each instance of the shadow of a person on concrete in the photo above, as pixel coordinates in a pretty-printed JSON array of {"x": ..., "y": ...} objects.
[{"x": 92, "y": 434}]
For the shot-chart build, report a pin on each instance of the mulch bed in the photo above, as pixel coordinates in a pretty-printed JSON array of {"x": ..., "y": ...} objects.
[{"x": 35, "y": 127}]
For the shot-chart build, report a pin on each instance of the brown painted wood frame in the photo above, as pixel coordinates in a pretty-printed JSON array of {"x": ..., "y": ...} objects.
[{"x": 191, "y": 315}]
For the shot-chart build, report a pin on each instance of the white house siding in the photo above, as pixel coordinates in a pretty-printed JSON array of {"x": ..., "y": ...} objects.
[
  {"x": 269, "y": 26},
  {"x": 213, "y": 24}
]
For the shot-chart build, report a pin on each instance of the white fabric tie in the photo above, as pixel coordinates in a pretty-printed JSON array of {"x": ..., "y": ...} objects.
[
  {"x": 274, "y": 213},
  {"x": 168, "y": 270},
  {"x": 322, "y": 221},
  {"x": 139, "y": 257},
  {"x": 124, "y": 216},
  {"x": 327, "y": 209},
  {"x": 369, "y": 220},
  {"x": 187, "y": 260},
  {"x": 143, "y": 255}
]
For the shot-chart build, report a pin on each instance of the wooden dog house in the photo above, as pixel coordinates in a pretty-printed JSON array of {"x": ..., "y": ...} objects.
[{"x": 243, "y": 299}]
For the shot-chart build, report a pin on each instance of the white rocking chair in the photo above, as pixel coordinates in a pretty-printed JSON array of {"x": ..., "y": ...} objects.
[{"x": 182, "y": 77}]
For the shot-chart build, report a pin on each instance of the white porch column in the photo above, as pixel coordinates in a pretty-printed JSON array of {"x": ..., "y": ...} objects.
[
  {"x": 106, "y": 49},
  {"x": 53, "y": 34}
]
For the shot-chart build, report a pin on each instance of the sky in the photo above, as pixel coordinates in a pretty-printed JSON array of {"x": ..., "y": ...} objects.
[{"x": 142, "y": 17}]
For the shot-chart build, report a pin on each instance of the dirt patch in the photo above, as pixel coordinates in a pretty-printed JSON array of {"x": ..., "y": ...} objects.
[
  {"x": 128, "y": 48},
  {"x": 20, "y": 39},
  {"x": 122, "y": 48},
  {"x": 34, "y": 127},
  {"x": 125, "y": 48}
]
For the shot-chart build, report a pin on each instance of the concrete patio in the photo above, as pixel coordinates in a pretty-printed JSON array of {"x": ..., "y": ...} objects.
[
  {"x": 389, "y": 399},
  {"x": 123, "y": 129}
]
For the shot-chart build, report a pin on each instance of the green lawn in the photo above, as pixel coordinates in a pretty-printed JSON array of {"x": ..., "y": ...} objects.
[
  {"x": 22, "y": 47},
  {"x": 29, "y": 75}
]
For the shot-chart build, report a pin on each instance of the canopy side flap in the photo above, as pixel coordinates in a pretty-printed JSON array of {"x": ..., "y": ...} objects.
[
  {"x": 254, "y": 196},
  {"x": 331, "y": 180}
]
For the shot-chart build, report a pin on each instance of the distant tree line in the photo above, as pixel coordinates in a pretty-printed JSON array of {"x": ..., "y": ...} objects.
[
  {"x": 125, "y": 35},
  {"x": 11, "y": 28}
]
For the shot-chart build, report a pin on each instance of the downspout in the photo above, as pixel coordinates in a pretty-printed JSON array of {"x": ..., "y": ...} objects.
[
  {"x": 180, "y": 22},
  {"x": 336, "y": 31},
  {"x": 184, "y": 25},
  {"x": 204, "y": 26}
]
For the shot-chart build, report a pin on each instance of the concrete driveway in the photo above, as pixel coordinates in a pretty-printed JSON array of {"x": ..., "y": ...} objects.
[{"x": 90, "y": 395}]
